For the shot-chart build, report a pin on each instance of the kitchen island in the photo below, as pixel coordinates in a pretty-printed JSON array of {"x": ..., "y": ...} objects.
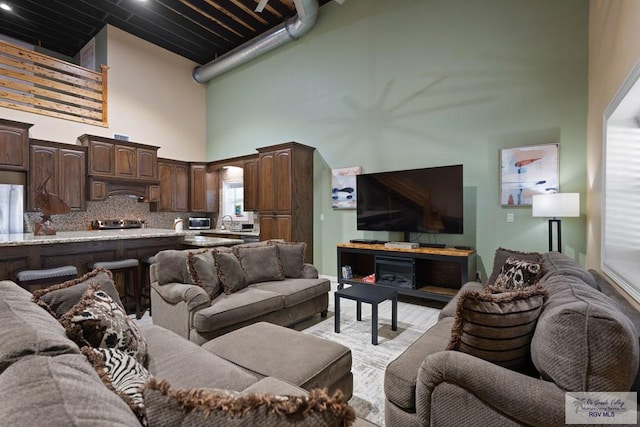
[{"x": 78, "y": 248}]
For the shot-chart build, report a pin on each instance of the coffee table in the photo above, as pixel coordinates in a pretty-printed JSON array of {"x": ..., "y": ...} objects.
[{"x": 370, "y": 294}]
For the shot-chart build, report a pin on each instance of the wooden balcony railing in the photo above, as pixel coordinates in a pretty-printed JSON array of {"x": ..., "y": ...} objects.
[{"x": 37, "y": 83}]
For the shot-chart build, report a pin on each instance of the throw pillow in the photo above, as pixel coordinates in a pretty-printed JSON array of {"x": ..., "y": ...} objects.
[
  {"x": 497, "y": 327},
  {"x": 202, "y": 407},
  {"x": 291, "y": 257},
  {"x": 202, "y": 270},
  {"x": 516, "y": 274},
  {"x": 501, "y": 256},
  {"x": 122, "y": 374},
  {"x": 97, "y": 321},
  {"x": 260, "y": 264},
  {"x": 58, "y": 299},
  {"x": 171, "y": 267},
  {"x": 230, "y": 272}
]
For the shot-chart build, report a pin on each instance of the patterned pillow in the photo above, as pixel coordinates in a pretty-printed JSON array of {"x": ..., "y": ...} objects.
[
  {"x": 122, "y": 374},
  {"x": 501, "y": 256},
  {"x": 260, "y": 264},
  {"x": 291, "y": 257},
  {"x": 498, "y": 327},
  {"x": 230, "y": 272},
  {"x": 202, "y": 407},
  {"x": 202, "y": 269},
  {"x": 516, "y": 274},
  {"x": 97, "y": 321},
  {"x": 58, "y": 299}
]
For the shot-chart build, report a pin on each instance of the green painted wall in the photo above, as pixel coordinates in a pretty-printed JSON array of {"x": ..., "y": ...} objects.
[{"x": 397, "y": 84}]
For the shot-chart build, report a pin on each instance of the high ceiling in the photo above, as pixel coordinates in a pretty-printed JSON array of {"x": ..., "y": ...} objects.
[{"x": 199, "y": 30}]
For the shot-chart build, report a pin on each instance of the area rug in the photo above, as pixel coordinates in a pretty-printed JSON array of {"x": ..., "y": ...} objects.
[{"x": 370, "y": 361}]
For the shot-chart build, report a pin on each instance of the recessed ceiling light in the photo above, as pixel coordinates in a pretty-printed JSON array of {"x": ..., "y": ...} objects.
[{"x": 5, "y": 6}]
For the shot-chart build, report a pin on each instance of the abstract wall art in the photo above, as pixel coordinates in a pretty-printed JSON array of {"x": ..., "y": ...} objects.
[
  {"x": 528, "y": 170},
  {"x": 343, "y": 187}
]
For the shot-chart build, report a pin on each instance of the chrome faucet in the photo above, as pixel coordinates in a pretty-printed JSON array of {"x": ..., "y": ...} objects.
[{"x": 223, "y": 227}]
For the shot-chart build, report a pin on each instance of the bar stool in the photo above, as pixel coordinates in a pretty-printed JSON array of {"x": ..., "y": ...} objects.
[
  {"x": 130, "y": 270},
  {"x": 36, "y": 279},
  {"x": 145, "y": 280}
]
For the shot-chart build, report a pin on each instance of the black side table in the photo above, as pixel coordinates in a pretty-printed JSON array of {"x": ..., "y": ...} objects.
[{"x": 373, "y": 295}]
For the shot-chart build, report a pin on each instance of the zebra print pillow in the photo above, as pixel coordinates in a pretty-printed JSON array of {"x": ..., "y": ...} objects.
[{"x": 122, "y": 374}]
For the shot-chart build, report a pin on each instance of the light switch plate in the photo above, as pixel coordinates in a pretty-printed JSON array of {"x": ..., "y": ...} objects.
[{"x": 510, "y": 217}]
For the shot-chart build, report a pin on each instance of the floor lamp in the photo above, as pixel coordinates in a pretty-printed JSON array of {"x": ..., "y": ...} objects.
[{"x": 556, "y": 206}]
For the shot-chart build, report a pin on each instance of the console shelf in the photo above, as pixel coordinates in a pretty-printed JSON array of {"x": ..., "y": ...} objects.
[{"x": 429, "y": 273}]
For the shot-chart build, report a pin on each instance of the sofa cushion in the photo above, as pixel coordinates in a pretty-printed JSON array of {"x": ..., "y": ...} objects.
[
  {"x": 556, "y": 263},
  {"x": 401, "y": 374},
  {"x": 291, "y": 255},
  {"x": 501, "y": 256},
  {"x": 97, "y": 321},
  {"x": 122, "y": 374},
  {"x": 498, "y": 327},
  {"x": 58, "y": 299},
  {"x": 170, "y": 355},
  {"x": 169, "y": 406},
  {"x": 260, "y": 264},
  {"x": 582, "y": 341},
  {"x": 171, "y": 267},
  {"x": 230, "y": 272},
  {"x": 28, "y": 329},
  {"x": 296, "y": 291},
  {"x": 516, "y": 274},
  {"x": 202, "y": 272},
  {"x": 243, "y": 305},
  {"x": 63, "y": 391}
]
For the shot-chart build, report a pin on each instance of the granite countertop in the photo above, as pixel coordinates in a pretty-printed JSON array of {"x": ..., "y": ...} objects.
[
  {"x": 88, "y": 236},
  {"x": 206, "y": 241},
  {"x": 222, "y": 232}
]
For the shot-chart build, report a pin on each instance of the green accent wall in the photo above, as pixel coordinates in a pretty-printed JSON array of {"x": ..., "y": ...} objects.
[{"x": 400, "y": 84}]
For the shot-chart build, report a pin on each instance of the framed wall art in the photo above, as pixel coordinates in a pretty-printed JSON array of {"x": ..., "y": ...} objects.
[
  {"x": 528, "y": 170},
  {"x": 343, "y": 187}
]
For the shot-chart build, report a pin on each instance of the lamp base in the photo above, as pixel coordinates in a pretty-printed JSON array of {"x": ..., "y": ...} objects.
[{"x": 559, "y": 228}]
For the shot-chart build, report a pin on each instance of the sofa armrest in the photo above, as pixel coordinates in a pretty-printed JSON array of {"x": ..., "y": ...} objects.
[
  {"x": 194, "y": 296},
  {"x": 498, "y": 393},
  {"x": 309, "y": 271}
]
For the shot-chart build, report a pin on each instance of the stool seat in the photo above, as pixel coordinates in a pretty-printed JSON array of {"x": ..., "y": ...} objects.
[
  {"x": 115, "y": 265},
  {"x": 48, "y": 273},
  {"x": 149, "y": 260}
]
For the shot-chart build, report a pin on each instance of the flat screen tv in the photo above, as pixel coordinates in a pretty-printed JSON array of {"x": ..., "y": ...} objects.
[{"x": 428, "y": 200}]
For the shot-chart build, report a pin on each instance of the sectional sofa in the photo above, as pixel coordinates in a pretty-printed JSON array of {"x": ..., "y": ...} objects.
[{"x": 583, "y": 338}]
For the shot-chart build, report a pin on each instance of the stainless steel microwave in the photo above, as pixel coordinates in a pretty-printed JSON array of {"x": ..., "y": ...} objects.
[{"x": 199, "y": 223}]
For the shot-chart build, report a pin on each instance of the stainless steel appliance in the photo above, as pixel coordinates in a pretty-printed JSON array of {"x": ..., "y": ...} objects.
[
  {"x": 199, "y": 223},
  {"x": 115, "y": 224},
  {"x": 11, "y": 208}
]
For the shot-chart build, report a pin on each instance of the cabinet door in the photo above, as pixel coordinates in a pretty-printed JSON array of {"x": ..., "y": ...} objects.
[
  {"x": 14, "y": 150},
  {"x": 126, "y": 161},
  {"x": 266, "y": 191},
  {"x": 43, "y": 164},
  {"x": 275, "y": 227},
  {"x": 72, "y": 178},
  {"x": 212, "y": 191},
  {"x": 197, "y": 187},
  {"x": 147, "y": 164},
  {"x": 181, "y": 188},
  {"x": 250, "y": 177},
  {"x": 165, "y": 173},
  {"x": 102, "y": 158}
]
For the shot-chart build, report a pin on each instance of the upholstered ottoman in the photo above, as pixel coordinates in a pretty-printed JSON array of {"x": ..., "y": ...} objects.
[{"x": 275, "y": 351}]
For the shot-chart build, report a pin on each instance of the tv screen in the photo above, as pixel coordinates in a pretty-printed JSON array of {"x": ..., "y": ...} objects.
[{"x": 428, "y": 200}]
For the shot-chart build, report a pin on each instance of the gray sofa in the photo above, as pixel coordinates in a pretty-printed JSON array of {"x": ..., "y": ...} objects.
[
  {"x": 583, "y": 341},
  {"x": 45, "y": 379},
  {"x": 185, "y": 303}
]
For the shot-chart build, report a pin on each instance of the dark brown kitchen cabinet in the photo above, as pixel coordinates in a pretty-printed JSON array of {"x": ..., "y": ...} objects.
[
  {"x": 250, "y": 185},
  {"x": 285, "y": 187},
  {"x": 14, "y": 145},
  {"x": 64, "y": 165},
  {"x": 174, "y": 186},
  {"x": 203, "y": 188}
]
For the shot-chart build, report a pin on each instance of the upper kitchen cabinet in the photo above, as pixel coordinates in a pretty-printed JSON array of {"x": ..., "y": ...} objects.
[
  {"x": 203, "y": 188},
  {"x": 174, "y": 186},
  {"x": 65, "y": 167},
  {"x": 250, "y": 178},
  {"x": 14, "y": 145},
  {"x": 285, "y": 186}
]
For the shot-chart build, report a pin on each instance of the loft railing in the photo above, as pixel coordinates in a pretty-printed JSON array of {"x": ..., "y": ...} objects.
[{"x": 37, "y": 83}]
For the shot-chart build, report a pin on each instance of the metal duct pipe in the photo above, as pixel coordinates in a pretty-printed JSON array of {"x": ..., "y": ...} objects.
[{"x": 290, "y": 30}]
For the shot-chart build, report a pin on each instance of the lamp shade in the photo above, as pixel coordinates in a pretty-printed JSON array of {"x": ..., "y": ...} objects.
[{"x": 556, "y": 205}]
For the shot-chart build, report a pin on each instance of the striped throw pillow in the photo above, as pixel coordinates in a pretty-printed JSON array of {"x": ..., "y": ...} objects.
[{"x": 498, "y": 327}]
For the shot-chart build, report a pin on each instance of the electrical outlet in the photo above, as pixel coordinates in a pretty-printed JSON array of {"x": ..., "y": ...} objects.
[{"x": 510, "y": 217}]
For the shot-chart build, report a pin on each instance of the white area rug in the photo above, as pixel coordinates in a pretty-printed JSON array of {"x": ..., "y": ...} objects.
[{"x": 370, "y": 361}]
